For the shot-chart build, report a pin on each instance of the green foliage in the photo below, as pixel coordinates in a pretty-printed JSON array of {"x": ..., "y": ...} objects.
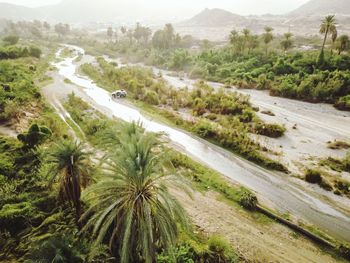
[
  {"x": 304, "y": 75},
  {"x": 17, "y": 88},
  {"x": 34, "y": 52},
  {"x": 151, "y": 97},
  {"x": 226, "y": 118},
  {"x": 248, "y": 200},
  {"x": 343, "y": 103},
  {"x": 214, "y": 249},
  {"x": 55, "y": 249},
  {"x": 132, "y": 206},
  {"x": 35, "y": 136},
  {"x": 14, "y": 52},
  {"x": 270, "y": 130},
  {"x": 71, "y": 167},
  {"x": 11, "y": 40}
]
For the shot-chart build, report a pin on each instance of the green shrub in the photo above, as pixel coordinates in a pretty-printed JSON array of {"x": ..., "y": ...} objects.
[
  {"x": 34, "y": 136},
  {"x": 220, "y": 250},
  {"x": 151, "y": 97},
  {"x": 13, "y": 217},
  {"x": 269, "y": 130},
  {"x": 313, "y": 176},
  {"x": 344, "y": 250},
  {"x": 11, "y": 39},
  {"x": 248, "y": 200},
  {"x": 343, "y": 103},
  {"x": 35, "y": 52},
  {"x": 204, "y": 129},
  {"x": 60, "y": 249}
]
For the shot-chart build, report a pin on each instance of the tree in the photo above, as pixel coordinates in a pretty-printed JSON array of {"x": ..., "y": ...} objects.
[
  {"x": 287, "y": 42},
  {"x": 132, "y": 206},
  {"x": 130, "y": 35},
  {"x": 141, "y": 32},
  {"x": 123, "y": 29},
  {"x": 246, "y": 37},
  {"x": 62, "y": 29},
  {"x": 236, "y": 41},
  {"x": 328, "y": 26},
  {"x": 343, "y": 44},
  {"x": 110, "y": 33},
  {"x": 253, "y": 43},
  {"x": 46, "y": 26},
  {"x": 334, "y": 37},
  {"x": 71, "y": 168},
  {"x": 35, "y": 52},
  {"x": 267, "y": 37},
  {"x": 11, "y": 39}
]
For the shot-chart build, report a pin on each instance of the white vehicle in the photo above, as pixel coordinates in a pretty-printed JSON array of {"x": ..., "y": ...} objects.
[{"x": 118, "y": 94}]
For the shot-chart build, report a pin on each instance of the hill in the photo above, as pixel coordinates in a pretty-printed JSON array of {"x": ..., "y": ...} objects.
[
  {"x": 322, "y": 8},
  {"x": 16, "y": 12},
  {"x": 215, "y": 18}
]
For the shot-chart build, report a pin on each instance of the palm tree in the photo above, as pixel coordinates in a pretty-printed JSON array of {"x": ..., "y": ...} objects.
[
  {"x": 267, "y": 36},
  {"x": 246, "y": 37},
  {"x": 287, "y": 42},
  {"x": 123, "y": 29},
  {"x": 334, "y": 37},
  {"x": 328, "y": 26},
  {"x": 71, "y": 168},
  {"x": 343, "y": 43},
  {"x": 253, "y": 43},
  {"x": 132, "y": 206}
]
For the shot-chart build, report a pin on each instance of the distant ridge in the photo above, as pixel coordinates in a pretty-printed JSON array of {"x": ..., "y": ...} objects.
[
  {"x": 322, "y": 8},
  {"x": 215, "y": 18},
  {"x": 11, "y": 11}
]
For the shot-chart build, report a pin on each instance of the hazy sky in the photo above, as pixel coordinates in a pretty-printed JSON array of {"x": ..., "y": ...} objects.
[{"x": 194, "y": 6}]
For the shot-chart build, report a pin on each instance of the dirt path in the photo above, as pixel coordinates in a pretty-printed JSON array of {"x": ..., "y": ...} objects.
[
  {"x": 8, "y": 131},
  {"x": 254, "y": 241}
]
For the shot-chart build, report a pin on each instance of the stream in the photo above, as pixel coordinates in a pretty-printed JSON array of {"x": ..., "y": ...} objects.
[{"x": 275, "y": 188}]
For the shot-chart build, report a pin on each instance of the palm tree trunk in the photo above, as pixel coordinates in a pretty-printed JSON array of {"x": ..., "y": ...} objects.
[
  {"x": 324, "y": 40},
  {"x": 78, "y": 214}
]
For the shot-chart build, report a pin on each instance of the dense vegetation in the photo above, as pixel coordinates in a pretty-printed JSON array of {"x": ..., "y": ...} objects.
[
  {"x": 60, "y": 203},
  {"x": 46, "y": 177},
  {"x": 249, "y": 61},
  {"x": 227, "y": 118}
]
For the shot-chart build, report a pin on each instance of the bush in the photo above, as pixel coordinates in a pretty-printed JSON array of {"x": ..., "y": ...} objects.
[
  {"x": 204, "y": 129},
  {"x": 269, "y": 130},
  {"x": 220, "y": 250},
  {"x": 55, "y": 249},
  {"x": 151, "y": 97},
  {"x": 344, "y": 250},
  {"x": 313, "y": 176},
  {"x": 35, "y": 52},
  {"x": 11, "y": 40},
  {"x": 248, "y": 200},
  {"x": 343, "y": 103},
  {"x": 36, "y": 135}
]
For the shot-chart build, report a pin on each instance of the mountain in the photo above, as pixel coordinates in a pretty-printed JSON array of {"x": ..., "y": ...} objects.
[
  {"x": 322, "y": 8},
  {"x": 16, "y": 12},
  {"x": 215, "y": 18}
]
